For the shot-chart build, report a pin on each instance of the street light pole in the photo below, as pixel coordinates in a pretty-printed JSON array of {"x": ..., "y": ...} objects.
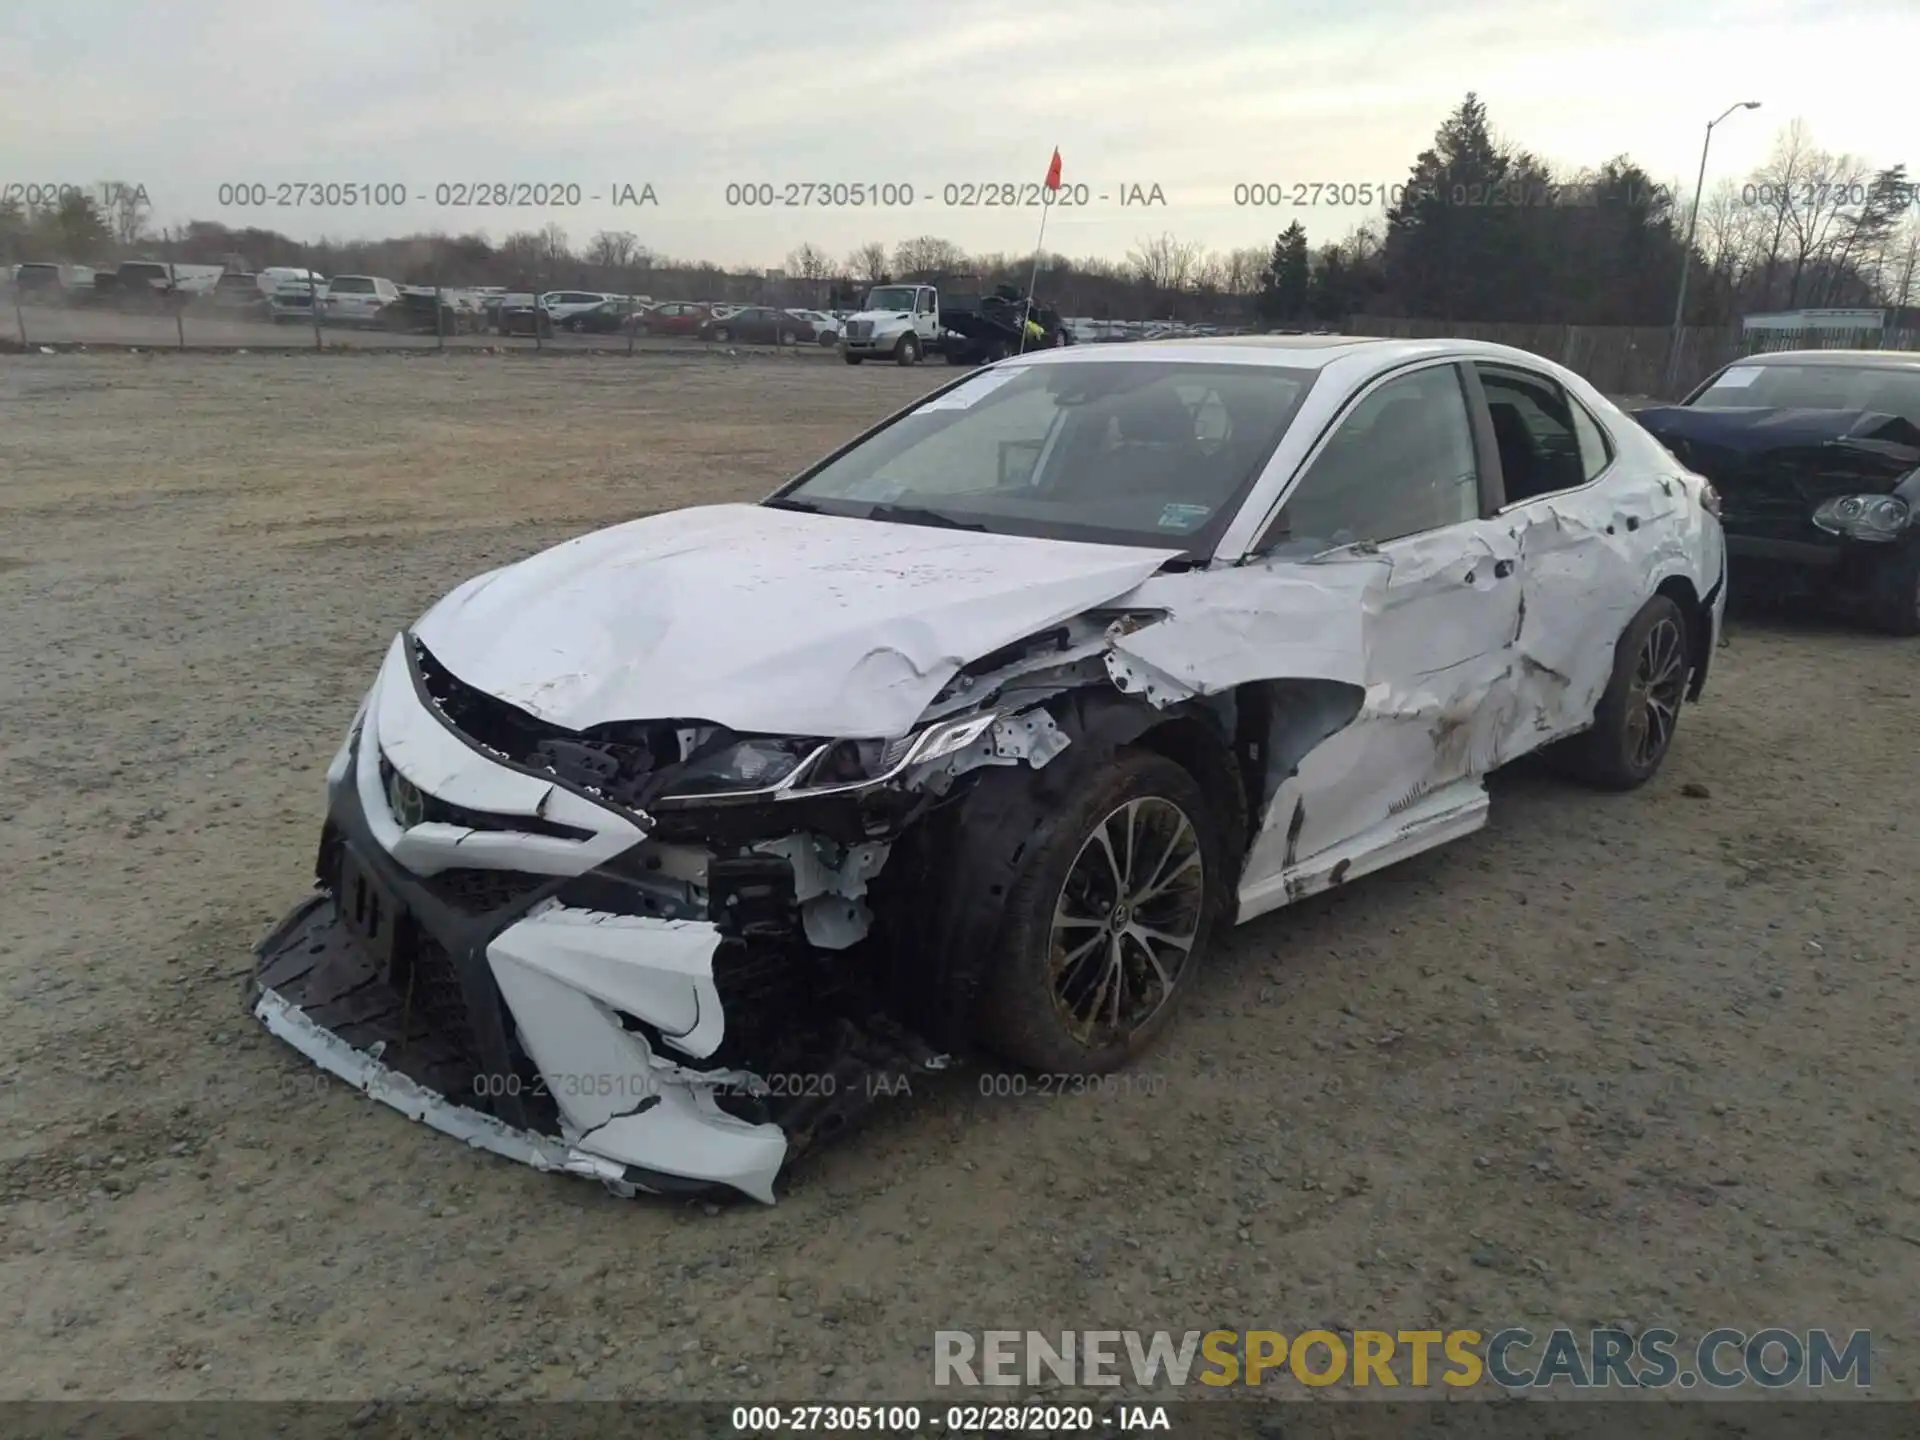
[{"x": 1686, "y": 255}]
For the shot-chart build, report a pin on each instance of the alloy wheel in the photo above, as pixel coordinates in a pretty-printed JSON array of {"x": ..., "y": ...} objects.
[
  {"x": 1126, "y": 920},
  {"x": 1653, "y": 702}
]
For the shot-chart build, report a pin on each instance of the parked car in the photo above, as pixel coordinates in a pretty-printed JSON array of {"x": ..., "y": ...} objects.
[
  {"x": 672, "y": 317},
  {"x": 522, "y": 315},
  {"x": 609, "y": 317},
  {"x": 563, "y": 305},
  {"x": 971, "y": 737},
  {"x": 1816, "y": 457},
  {"x": 758, "y": 325},
  {"x": 292, "y": 292},
  {"x": 415, "y": 311},
  {"x": 358, "y": 300},
  {"x": 826, "y": 329},
  {"x": 49, "y": 282},
  {"x": 238, "y": 294}
]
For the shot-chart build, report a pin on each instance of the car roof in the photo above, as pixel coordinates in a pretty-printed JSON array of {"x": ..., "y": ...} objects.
[
  {"x": 1293, "y": 352},
  {"x": 1865, "y": 359}
]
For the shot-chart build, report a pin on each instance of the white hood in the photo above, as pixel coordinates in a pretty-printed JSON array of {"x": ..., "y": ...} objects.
[
  {"x": 762, "y": 620},
  {"x": 882, "y": 317}
]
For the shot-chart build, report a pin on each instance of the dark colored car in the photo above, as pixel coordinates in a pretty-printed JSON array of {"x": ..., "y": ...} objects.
[
  {"x": 414, "y": 313},
  {"x": 609, "y": 317},
  {"x": 522, "y": 315},
  {"x": 1816, "y": 455},
  {"x": 760, "y": 325},
  {"x": 672, "y": 317}
]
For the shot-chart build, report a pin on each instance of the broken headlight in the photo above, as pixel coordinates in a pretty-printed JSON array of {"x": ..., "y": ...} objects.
[
  {"x": 1864, "y": 517},
  {"x": 774, "y": 768}
]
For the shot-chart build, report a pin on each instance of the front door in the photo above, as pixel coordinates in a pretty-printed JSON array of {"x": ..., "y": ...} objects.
[{"x": 1398, "y": 481}]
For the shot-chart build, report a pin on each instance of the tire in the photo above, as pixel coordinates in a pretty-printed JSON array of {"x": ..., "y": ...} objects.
[
  {"x": 853, "y": 359},
  {"x": 907, "y": 352},
  {"x": 1651, "y": 666},
  {"x": 789, "y": 337},
  {"x": 573, "y": 326},
  {"x": 1056, "y": 1023},
  {"x": 828, "y": 341},
  {"x": 722, "y": 334},
  {"x": 954, "y": 355},
  {"x": 1895, "y": 606}
]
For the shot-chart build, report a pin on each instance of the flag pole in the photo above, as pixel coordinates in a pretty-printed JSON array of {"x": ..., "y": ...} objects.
[{"x": 1033, "y": 276}]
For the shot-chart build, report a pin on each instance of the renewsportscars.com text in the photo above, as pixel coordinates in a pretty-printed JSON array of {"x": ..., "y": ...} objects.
[{"x": 1512, "y": 1358}]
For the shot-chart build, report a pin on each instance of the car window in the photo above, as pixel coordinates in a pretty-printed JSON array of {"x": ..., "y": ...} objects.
[
  {"x": 1888, "y": 390},
  {"x": 1400, "y": 463},
  {"x": 1534, "y": 431},
  {"x": 1157, "y": 453},
  {"x": 352, "y": 285},
  {"x": 1596, "y": 451}
]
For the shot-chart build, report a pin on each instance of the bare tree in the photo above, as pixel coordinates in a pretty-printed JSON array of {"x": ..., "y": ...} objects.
[
  {"x": 128, "y": 211},
  {"x": 1164, "y": 263},
  {"x": 868, "y": 262},
  {"x": 1240, "y": 270},
  {"x": 928, "y": 257},
  {"x": 613, "y": 249}
]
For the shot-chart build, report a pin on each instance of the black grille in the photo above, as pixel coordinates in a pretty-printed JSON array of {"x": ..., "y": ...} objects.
[
  {"x": 428, "y": 983},
  {"x": 481, "y": 892}
]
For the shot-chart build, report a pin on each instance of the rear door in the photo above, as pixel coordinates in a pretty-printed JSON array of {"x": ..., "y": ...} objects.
[{"x": 1586, "y": 533}]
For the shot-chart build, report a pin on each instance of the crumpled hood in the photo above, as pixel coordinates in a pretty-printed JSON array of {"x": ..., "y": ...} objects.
[{"x": 762, "y": 620}]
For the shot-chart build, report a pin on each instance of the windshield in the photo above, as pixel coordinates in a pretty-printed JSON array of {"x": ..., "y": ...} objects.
[
  {"x": 1885, "y": 389},
  {"x": 890, "y": 297},
  {"x": 1124, "y": 452}
]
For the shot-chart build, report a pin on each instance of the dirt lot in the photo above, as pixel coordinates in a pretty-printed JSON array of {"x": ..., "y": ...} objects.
[{"x": 1644, "y": 1058}]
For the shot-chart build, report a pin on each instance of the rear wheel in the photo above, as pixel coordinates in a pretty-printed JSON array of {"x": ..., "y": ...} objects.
[
  {"x": 1109, "y": 919},
  {"x": 722, "y": 334},
  {"x": 851, "y": 358},
  {"x": 789, "y": 337},
  {"x": 1634, "y": 722}
]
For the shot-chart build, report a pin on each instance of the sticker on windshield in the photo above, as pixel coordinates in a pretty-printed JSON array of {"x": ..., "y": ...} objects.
[
  {"x": 1738, "y": 376},
  {"x": 1183, "y": 517},
  {"x": 965, "y": 395}
]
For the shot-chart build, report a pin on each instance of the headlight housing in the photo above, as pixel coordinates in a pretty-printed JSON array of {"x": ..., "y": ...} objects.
[
  {"x": 1864, "y": 517},
  {"x": 764, "y": 768}
]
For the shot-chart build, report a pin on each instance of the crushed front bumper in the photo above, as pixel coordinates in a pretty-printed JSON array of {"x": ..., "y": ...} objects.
[{"x": 458, "y": 989}]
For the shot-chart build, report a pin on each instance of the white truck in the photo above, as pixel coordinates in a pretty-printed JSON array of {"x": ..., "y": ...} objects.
[{"x": 900, "y": 323}]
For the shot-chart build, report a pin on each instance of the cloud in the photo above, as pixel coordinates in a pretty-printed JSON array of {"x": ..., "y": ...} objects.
[{"x": 1195, "y": 98}]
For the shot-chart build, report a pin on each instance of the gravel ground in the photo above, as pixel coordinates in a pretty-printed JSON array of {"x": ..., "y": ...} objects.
[{"x": 1643, "y": 1058}]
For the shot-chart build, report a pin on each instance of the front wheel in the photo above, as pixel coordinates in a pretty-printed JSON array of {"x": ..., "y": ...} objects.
[
  {"x": 789, "y": 337},
  {"x": 1109, "y": 920},
  {"x": 851, "y": 358},
  {"x": 1634, "y": 722},
  {"x": 907, "y": 352}
]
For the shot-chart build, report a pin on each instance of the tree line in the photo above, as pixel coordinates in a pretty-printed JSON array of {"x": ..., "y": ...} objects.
[{"x": 1483, "y": 230}]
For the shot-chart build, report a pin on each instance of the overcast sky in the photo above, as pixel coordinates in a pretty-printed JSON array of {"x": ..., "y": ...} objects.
[{"x": 1194, "y": 96}]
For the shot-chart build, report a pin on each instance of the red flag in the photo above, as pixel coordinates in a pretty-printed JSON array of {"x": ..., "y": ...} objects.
[{"x": 1053, "y": 170}]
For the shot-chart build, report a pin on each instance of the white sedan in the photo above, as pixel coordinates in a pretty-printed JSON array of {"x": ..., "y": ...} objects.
[
  {"x": 826, "y": 329},
  {"x": 657, "y": 856}
]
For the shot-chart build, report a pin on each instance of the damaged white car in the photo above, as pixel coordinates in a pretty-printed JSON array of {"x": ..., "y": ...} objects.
[{"x": 659, "y": 856}]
